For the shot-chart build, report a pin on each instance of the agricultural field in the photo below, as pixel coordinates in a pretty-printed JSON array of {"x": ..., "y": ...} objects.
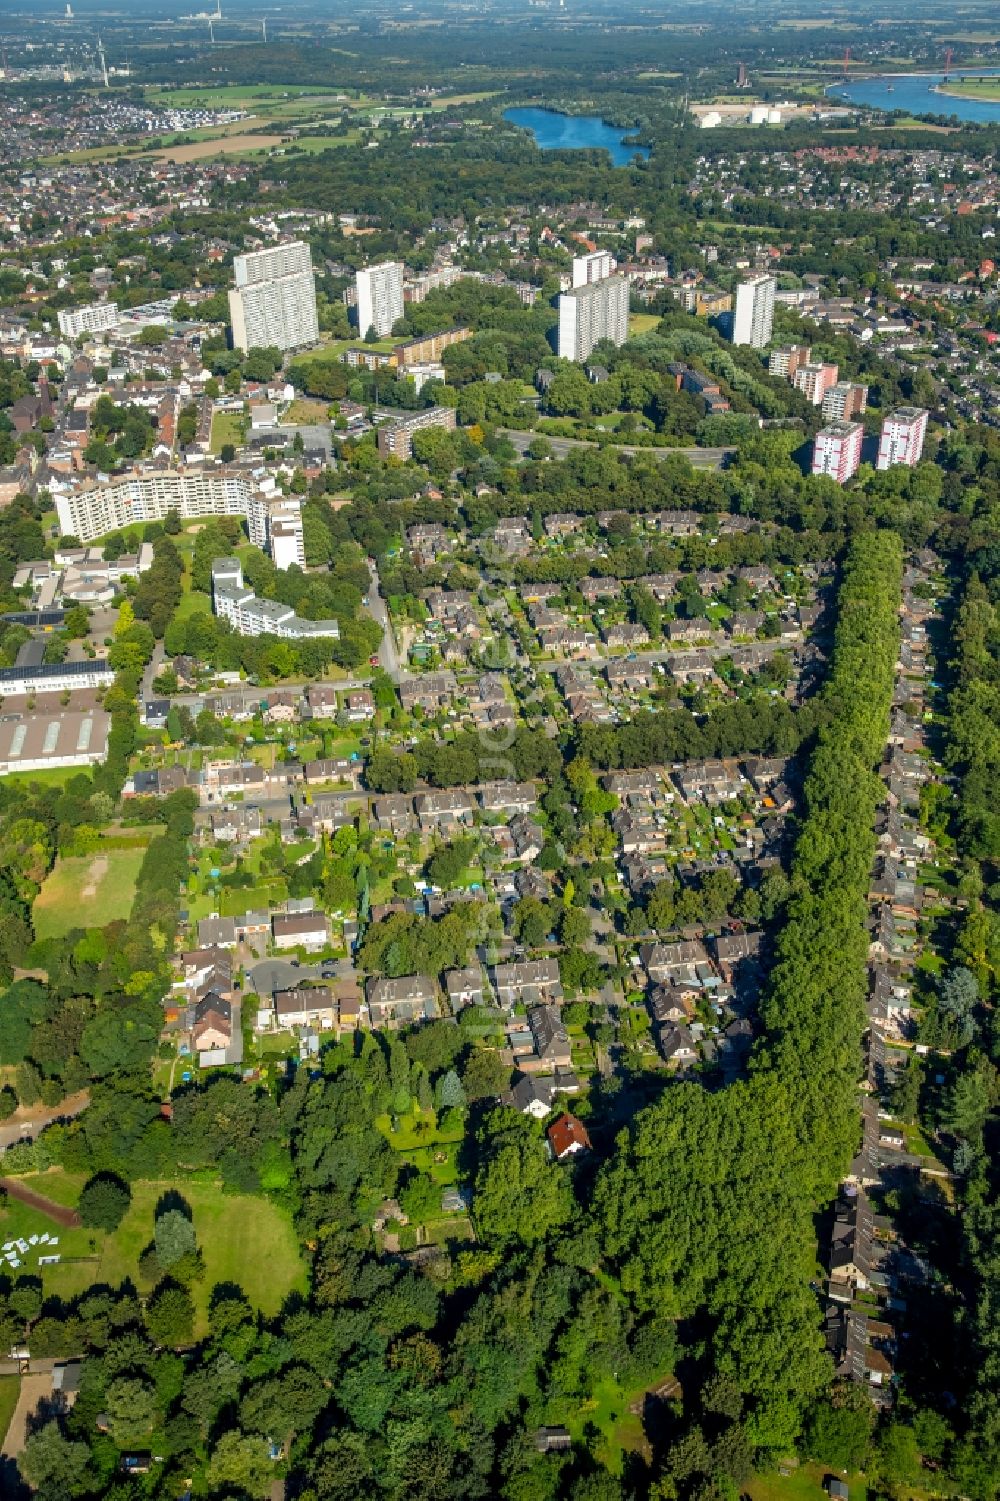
[
  {"x": 219, "y": 145},
  {"x": 87, "y": 891}
]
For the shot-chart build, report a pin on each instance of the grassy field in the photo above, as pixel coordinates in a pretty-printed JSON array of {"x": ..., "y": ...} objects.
[
  {"x": 803, "y": 1484},
  {"x": 302, "y": 412},
  {"x": 243, "y": 1240},
  {"x": 227, "y": 427},
  {"x": 609, "y": 1410},
  {"x": 87, "y": 891},
  {"x": 220, "y": 145},
  {"x": 49, "y": 776},
  {"x": 988, "y": 89},
  {"x": 194, "y": 602},
  {"x": 10, "y": 1386},
  {"x": 240, "y": 96},
  {"x": 642, "y": 323},
  {"x": 317, "y": 143}
]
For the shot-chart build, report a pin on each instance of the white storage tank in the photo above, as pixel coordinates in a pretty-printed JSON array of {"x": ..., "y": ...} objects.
[
  {"x": 774, "y": 117},
  {"x": 758, "y": 115}
]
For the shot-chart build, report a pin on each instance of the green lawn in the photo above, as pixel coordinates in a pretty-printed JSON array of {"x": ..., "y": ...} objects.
[
  {"x": 244, "y": 1240},
  {"x": 227, "y": 427},
  {"x": 10, "y": 1387},
  {"x": 193, "y": 602},
  {"x": 803, "y": 1484},
  {"x": 87, "y": 891},
  {"x": 49, "y": 776},
  {"x": 19, "y": 1221},
  {"x": 422, "y": 1148},
  {"x": 609, "y": 1411},
  {"x": 642, "y": 323}
]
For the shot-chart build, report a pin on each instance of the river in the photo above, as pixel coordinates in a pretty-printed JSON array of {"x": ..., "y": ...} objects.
[
  {"x": 556, "y": 132},
  {"x": 917, "y": 94}
]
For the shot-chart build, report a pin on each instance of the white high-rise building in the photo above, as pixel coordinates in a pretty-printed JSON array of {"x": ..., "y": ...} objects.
[
  {"x": 286, "y": 538},
  {"x": 753, "y": 314},
  {"x": 837, "y": 450},
  {"x": 94, "y": 319},
  {"x": 595, "y": 267},
  {"x": 380, "y": 298},
  {"x": 273, "y": 304},
  {"x": 902, "y": 440},
  {"x": 591, "y": 313}
]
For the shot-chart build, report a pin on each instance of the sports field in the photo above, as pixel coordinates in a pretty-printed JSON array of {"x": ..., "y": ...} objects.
[{"x": 87, "y": 891}]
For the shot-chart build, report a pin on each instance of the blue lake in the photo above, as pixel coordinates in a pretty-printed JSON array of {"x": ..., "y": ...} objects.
[
  {"x": 919, "y": 94},
  {"x": 555, "y": 132}
]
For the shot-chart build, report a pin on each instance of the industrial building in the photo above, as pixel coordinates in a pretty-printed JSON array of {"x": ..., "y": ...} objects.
[
  {"x": 61, "y": 677},
  {"x": 61, "y": 737},
  {"x": 273, "y": 304}
]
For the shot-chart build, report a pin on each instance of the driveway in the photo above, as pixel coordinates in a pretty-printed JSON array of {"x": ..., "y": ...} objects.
[
  {"x": 29, "y": 1120},
  {"x": 34, "y": 1389},
  {"x": 280, "y": 974},
  {"x": 388, "y": 654}
]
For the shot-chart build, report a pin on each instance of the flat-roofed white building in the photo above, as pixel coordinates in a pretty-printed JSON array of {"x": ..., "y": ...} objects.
[
  {"x": 380, "y": 297},
  {"x": 591, "y": 313},
  {"x": 902, "y": 438},
  {"x": 96, "y": 318},
  {"x": 252, "y": 616},
  {"x": 93, "y": 510},
  {"x": 594, "y": 267},
  {"x": 273, "y": 304}
]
